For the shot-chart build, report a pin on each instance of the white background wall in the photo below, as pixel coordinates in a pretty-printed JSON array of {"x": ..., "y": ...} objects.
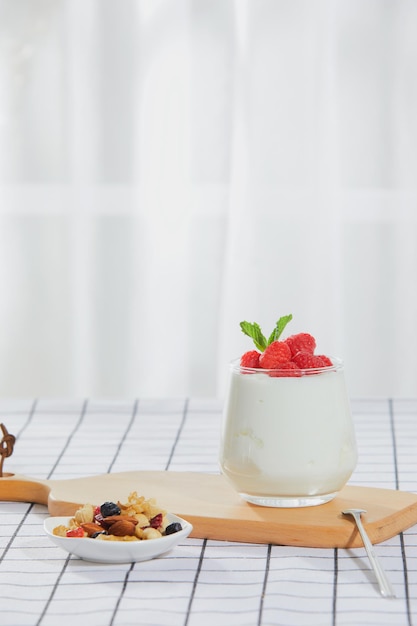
[{"x": 169, "y": 168}]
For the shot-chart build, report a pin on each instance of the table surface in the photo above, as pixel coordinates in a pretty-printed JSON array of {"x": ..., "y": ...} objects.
[{"x": 200, "y": 581}]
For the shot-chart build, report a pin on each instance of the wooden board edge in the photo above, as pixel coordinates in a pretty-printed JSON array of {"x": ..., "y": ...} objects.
[
  {"x": 277, "y": 536},
  {"x": 17, "y": 488},
  {"x": 392, "y": 525}
]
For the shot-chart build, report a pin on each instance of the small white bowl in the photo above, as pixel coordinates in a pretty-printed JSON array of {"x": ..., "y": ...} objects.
[{"x": 116, "y": 551}]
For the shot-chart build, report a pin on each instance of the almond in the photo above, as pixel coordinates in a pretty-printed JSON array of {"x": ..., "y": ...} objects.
[
  {"x": 91, "y": 528},
  {"x": 112, "y": 519},
  {"x": 121, "y": 528}
]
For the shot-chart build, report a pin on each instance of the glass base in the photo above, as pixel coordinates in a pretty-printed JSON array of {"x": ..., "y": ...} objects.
[{"x": 288, "y": 501}]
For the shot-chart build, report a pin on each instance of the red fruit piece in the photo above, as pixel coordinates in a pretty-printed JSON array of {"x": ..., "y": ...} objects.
[
  {"x": 156, "y": 521},
  {"x": 306, "y": 360},
  {"x": 302, "y": 342},
  {"x": 98, "y": 518},
  {"x": 75, "y": 532},
  {"x": 326, "y": 361},
  {"x": 250, "y": 359},
  {"x": 275, "y": 355},
  {"x": 285, "y": 370}
]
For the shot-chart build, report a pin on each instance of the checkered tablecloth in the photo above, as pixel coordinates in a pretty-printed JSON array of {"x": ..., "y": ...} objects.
[{"x": 200, "y": 582}]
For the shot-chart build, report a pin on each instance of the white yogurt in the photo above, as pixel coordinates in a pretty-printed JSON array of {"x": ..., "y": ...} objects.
[{"x": 288, "y": 441}]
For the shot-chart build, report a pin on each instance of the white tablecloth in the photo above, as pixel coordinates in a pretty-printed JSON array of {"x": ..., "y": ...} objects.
[{"x": 200, "y": 582}]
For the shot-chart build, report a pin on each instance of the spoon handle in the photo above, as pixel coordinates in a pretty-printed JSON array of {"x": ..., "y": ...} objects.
[{"x": 385, "y": 586}]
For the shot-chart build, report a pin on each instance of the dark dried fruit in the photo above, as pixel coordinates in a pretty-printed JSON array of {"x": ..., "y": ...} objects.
[
  {"x": 175, "y": 527},
  {"x": 109, "y": 508}
]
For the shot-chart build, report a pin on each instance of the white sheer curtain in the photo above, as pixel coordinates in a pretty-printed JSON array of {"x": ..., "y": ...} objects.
[{"x": 171, "y": 167}]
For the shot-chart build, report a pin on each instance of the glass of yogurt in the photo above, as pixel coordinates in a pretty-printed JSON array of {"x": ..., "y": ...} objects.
[{"x": 287, "y": 441}]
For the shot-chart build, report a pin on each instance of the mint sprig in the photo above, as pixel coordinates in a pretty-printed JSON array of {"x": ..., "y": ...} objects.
[
  {"x": 279, "y": 327},
  {"x": 253, "y": 330}
]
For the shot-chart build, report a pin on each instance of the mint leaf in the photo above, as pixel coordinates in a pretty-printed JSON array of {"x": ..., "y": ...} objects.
[
  {"x": 279, "y": 327},
  {"x": 254, "y": 332}
]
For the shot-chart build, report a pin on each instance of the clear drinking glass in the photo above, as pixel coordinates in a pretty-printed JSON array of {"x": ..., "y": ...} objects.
[{"x": 287, "y": 441}]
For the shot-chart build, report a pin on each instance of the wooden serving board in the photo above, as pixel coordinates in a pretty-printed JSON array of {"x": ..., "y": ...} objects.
[{"x": 217, "y": 512}]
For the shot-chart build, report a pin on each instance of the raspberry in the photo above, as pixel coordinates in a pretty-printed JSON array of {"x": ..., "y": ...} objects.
[
  {"x": 275, "y": 355},
  {"x": 286, "y": 369},
  {"x": 302, "y": 342},
  {"x": 326, "y": 361},
  {"x": 250, "y": 359},
  {"x": 306, "y": 360}
]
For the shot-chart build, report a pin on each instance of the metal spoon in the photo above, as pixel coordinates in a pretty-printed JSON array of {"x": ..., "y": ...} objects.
[{"x": 385, "y": 586}]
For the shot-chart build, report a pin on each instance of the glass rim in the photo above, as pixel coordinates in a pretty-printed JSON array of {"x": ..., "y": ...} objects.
[{"x": 337, "y": 365}]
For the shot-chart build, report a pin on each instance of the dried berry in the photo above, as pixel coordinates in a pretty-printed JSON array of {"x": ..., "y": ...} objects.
[
  {"x": 109, "y": 508},
  {"x": 175, "y": 527},
  {"x": 156, "y": 521},
  {"x": 98, "y": 518}
]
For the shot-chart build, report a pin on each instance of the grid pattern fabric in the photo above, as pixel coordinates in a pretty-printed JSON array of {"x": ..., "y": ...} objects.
[{"x": 200, "y": 582}]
